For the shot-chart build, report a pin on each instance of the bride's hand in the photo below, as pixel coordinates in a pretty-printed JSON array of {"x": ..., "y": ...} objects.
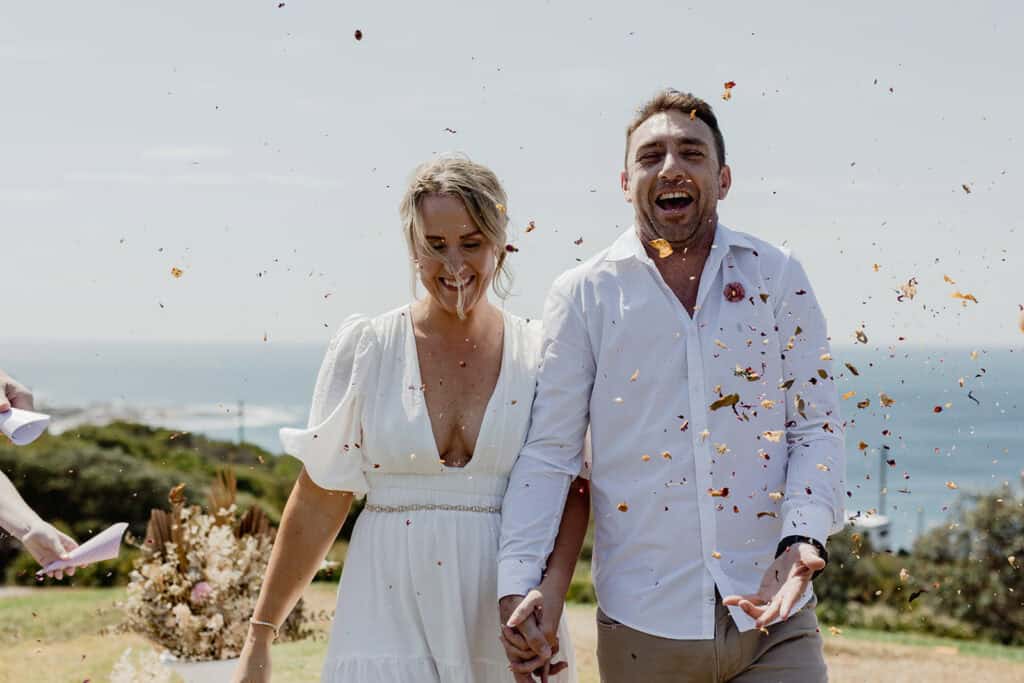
[{"x": 254, "y": 662}]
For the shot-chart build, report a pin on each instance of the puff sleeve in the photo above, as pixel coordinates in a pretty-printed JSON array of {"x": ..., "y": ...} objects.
[{"x": 330, "y": 447}]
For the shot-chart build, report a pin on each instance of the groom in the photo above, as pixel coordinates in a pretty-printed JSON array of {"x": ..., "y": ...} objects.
[{"x": 699, "y": 358}]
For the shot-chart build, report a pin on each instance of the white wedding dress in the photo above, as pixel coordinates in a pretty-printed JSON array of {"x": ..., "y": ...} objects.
[{"x": 417, "y": 601}]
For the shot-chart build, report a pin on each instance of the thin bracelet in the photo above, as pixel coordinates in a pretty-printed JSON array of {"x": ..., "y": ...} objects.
[{"x": 272, "y": 627}]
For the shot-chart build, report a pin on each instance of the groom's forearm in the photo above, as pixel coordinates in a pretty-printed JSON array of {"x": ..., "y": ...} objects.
[
  {"x": 573, "y": 529},
  {"x": 310, "y": 522}
]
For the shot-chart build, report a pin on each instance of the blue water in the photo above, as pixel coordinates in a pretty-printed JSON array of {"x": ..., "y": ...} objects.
[{"x": 978, "y": 446}]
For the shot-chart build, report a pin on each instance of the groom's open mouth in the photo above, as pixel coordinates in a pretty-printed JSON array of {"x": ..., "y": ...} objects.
[{"x": 674, "y": 201}]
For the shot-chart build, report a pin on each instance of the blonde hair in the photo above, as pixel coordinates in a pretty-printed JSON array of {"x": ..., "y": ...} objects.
[{"x": 480, "y": 192}]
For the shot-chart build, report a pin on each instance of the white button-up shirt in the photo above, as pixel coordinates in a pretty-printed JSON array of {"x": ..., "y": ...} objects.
[{"x": 713, "y": 437}]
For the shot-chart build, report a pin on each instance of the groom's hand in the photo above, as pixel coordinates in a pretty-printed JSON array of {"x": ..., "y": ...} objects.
[{"x": 784, "y": 582}]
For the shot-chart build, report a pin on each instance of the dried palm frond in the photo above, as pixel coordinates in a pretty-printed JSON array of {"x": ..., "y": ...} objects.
[
  {"x": 254, "y": 523},
  {"x": 223, "y": 494},
  {"x": 158, "y": 532}
]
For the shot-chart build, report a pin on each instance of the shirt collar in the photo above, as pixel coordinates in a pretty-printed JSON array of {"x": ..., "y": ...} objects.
[{"x": 628, "y": 243}]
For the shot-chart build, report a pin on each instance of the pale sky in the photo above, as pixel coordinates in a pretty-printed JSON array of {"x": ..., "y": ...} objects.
[{"x": 263, "y": 150}]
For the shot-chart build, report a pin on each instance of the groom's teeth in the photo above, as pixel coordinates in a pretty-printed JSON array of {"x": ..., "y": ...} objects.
[{"x": 674, "y": 195}]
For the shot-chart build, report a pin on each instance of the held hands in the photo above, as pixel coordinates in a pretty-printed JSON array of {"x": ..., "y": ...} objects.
[
  {"x": 47, "y": 545},
  {"x": 529, "y": 631},
  {"x": 784, "y": 582}
]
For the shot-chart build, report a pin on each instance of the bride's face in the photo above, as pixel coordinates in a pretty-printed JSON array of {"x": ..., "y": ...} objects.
[{"x": 459, "y": 264}]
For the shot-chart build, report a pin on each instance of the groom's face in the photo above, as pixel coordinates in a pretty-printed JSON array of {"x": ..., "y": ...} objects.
[{"x": 674, "y": 179}]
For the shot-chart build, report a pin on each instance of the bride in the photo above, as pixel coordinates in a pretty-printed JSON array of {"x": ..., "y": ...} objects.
[{"x": 423, "y": 410}]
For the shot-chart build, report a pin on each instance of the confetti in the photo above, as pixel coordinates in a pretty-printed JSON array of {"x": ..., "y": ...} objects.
[
  {"x": 729, "y": 85},
  {"x": 773, "y": 515},
  {"x": 578, "y": 242},
  {"x": 773, "y": 435},
  {"x": 908, "y": 290},
  {"x": 511, "y": 248},
  {"x": 530, "y": 227},
  {"x": 721, "y": 448},
  {"x": 948, "y": 279},
  {"x": 767, "y": 404},
  {"x": 450, "y": 130},
  {"x": 177, "y": 273},
  {"x": 693, "y": 114},
  {"x": 937, "y": 409},
  {"x": 963, "y": 297},
  {"x": 823, "y": 467},
  {"x": 500, "y": 208},
  {"x": 966, "y": 187},
  {"x": 776, "y": 495},
  {"x": 861, "y": 337},
  {"x": 358, "y": 34},
  {"x": 835, "y": 630},
  {"x": 636, "y": 373},
  {"x": 725, "y": 401},
  {"x": 862, "y": 446},
  {"x": 886, "y": 401},
  {"x": 849, "y": 394},
  {"x": 704, "y": 435},
  {"x": 717, "y": 555},
  {"x": 876, "y": 267},
  {"x": 618, "y": 399},
  {"x": 666, "y": 455},
  {"x": 719, "y": 493},
  {"x": 734, "y": 292},
  {"x": 623, "y": 507},
  {"x": 864, "y": 404},
  {"x": 663, "y": 247},
  {"x": 645, "y": 457},
  {"x": 825, "y": 356},
  {"x": 951, "y": 485},
  {"x": 851, "y": 368}
]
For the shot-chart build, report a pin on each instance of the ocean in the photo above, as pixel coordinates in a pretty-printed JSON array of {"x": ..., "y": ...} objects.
[{"x": 975, "y": 443}]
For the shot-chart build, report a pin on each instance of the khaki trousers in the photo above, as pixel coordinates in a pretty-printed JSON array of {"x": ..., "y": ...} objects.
[{"x": 790, "y": 653}]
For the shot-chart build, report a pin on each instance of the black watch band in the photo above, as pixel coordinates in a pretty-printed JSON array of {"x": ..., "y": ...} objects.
[{"x": 790, "y": 540}]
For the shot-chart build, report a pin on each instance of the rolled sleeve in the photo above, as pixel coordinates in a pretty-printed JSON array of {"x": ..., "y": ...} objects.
[
  {"x": 553, "y": 454},
  {"x": 816, "y": 472}
]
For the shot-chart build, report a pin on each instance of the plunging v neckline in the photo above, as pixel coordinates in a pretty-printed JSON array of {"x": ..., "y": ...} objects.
[{"x": 413, "y": 351}]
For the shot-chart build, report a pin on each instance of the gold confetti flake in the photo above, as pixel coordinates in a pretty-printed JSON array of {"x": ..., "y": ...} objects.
[
  {"x": 886, "y": 401},
  {"x": 666, "y": 455},
  {"x": 823, "y": 467},
  {"x": 848, "y": 395},
  {"x": 704, "y": 435},
  {"x": 717, "y": 555},
  {"x": 721, "y": 448},
  {"x": 951, "y": 485},
  {"x": 663, "y": 247},
  {"x": 861, "y": 336},
  {"x": 500, "y": 207},
  {"x": 725, "y": 402},
  {"x": 719, "y": 493},
  {"x": 719, "y": 344},
  {"x": 645, "y": 457},
  {"x": 776, "y": 495},
  {"x": 876, "y": 267},
  {"x": 176, "y": 272},
  {"x": 774, "y": 435},
  {"x": 964, "y": 297},
  {"x": 623, "y": 507},
  {"x": 826, "y": 356},
  {"x": 949, "y": 279},
  {"x": 974, "y": 355},
  {"x": 636, "y": 373},
  {"x": 531, "y": 226},
  {"x": 908, "y": 290},
  {"x": 835, "y": 630},
  {"x": 862, "y": 446},
  {"x": 767, "y": 403}
]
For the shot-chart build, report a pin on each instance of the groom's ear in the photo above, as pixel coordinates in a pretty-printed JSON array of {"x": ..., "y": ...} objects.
[{"x": 624, "y": 181}]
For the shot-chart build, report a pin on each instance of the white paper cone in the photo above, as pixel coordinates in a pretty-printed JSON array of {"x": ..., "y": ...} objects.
[
  {"x": 105, "y": 545},
  {"x": 23, "y": 427}
]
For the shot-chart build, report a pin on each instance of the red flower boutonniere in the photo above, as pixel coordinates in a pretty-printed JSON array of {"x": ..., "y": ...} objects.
[{"x": 734, "y": 292}]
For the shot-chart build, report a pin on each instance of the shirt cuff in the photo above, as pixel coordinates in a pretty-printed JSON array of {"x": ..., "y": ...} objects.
[
  {"x": 516, "y": 577},
  {"x": 808, "y": 520}
]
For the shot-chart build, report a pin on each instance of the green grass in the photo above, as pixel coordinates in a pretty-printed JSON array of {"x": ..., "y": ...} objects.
[
  {"x": 63, "y": 634},
  {"x": 965, "y": 647}
]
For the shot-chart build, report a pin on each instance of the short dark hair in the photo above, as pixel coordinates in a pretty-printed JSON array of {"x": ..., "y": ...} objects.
[{"x": 670, "y": 99}]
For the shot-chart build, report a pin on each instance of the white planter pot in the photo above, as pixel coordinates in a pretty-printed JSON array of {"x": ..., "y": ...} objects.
[{"x": 215, "y": 671}]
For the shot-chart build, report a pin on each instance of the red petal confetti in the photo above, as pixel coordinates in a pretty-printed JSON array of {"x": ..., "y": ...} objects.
[
  {"x": 511, "y": 249},
  {"x": 578, "y": 242},
  {"x": 358, "y": 34},
  {"x": 734, "y": 292},
  {"x": 729, "y": 85}
]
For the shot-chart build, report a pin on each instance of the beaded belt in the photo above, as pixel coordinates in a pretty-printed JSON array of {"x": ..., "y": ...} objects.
[{"x": 492, "y": 509}]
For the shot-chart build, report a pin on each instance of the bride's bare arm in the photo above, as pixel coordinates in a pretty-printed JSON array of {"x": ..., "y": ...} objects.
[
  {"x": 571, "y": 532},
  {"x": 310, "y": 522}
]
